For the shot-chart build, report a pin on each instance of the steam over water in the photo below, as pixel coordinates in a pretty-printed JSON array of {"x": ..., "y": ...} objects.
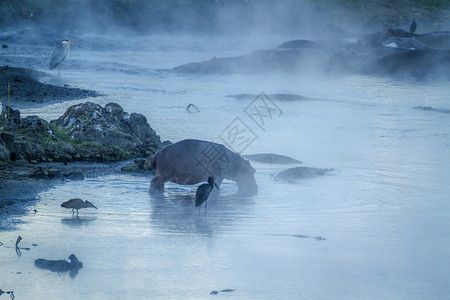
[{"x": 376, "y": 227}]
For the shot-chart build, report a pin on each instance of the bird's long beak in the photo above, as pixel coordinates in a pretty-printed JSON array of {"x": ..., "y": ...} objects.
[
  {"x": 217, "y": 187},
  {"x": 72, "y": 42}
]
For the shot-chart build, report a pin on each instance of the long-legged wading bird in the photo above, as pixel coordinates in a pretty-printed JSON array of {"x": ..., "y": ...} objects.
[
  {"x": 203, "y": 192},
  {"x": 76, "y": 204},
  {"x": 59, "y": 54},
  {"x": 413, "y": 27}
]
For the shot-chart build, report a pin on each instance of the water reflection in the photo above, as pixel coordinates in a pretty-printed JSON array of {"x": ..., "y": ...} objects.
[
  {"x": 175, "y": 212},
  {"x": 78, "y": 221},
  {"x": 18, "y": 249}
]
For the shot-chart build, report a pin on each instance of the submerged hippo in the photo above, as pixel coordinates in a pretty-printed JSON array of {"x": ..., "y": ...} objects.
[{"x": 193, "y": 161}]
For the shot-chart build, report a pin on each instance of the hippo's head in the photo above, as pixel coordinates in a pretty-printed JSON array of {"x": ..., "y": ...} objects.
[{"x": 245, "y": 178}]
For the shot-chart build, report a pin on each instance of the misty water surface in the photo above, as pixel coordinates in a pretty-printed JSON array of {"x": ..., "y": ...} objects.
[{"x": 376, "y": 227}]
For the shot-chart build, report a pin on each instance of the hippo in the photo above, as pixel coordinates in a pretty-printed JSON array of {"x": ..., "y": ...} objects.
[{"x": 193, "y": 161}]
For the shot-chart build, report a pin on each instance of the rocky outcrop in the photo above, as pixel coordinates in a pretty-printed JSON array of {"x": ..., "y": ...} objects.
[
  {"x": 86, "y": 132},
  {"x": 109, "y": 126}
]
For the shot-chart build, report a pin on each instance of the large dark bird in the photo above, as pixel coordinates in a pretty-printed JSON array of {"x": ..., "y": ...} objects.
[
  {"x": 76, "y": 204},
  {"x": 60, "y": 266},
  {"x": 203, "y": 191},
  {"x": 413, "y": 27}
]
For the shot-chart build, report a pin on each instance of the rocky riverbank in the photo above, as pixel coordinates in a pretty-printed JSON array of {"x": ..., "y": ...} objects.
[
  {"x": 25, "y": 88},
  {"x": 86, "y": 132},
  {"x": 88, "y": 140}
]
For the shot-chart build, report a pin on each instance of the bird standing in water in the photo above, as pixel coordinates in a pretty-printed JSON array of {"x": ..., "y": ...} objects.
[
  {"x": 413, "y": 27},
  {"x": 203, "y": 192},
  {"x": 76, "y": 204},
  {"x": 59, "y": 54}
]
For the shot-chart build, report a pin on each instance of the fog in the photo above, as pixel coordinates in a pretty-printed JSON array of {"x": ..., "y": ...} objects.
[{"x": 375, "y": 227}]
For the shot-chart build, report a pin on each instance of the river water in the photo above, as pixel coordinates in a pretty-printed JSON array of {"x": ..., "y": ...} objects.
[{"x": 377, "y": 227}]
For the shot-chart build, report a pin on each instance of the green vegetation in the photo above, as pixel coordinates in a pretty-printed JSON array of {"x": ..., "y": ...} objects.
[{"x": 61, "y": 133}]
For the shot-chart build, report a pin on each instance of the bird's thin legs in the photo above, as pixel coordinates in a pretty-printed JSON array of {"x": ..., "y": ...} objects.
[{"x": 59, "y": 71}]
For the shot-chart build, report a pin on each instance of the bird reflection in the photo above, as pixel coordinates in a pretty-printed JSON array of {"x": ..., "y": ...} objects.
[
  {"x": 78, "y": 221},
  {"x": 175, "y": 214},
  {"x": 172, "y": 211},
  {"x": 60, "y": 266},
  {"x": 18, "y": 249}
]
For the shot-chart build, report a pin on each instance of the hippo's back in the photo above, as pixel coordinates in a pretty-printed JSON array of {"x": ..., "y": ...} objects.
[{"x": 188, "y": 157}]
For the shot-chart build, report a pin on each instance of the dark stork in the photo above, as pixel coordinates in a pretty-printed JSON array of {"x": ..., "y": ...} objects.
[{"x": 203, "y": 192}]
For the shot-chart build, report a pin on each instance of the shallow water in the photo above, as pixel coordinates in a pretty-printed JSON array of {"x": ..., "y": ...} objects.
[{"x": 376, "y": 227}]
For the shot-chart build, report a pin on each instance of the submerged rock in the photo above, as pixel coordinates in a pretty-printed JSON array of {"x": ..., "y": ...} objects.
[
  {"x": 270, "y": 158},
  {"x": 297, "y": 173}
]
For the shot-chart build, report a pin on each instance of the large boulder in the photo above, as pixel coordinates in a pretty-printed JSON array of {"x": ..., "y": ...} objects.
[
  {"x": 86, "y": 131},
  {"x": 109, "y": 126}
]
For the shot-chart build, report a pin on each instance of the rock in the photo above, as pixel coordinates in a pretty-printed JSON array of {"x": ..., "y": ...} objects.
[
  {"x": 5, "y": 155},
  {"x": 7, "y": 138},
  {"x": 74, "y": 176},
  {"x": 293, "y": 174},
  {"x": 86, "y": 131},
  {"x": 270, "y": 158},
  {"x": 119, "y": 133},
  {"x": 20, "y": 163},
  {"x": 26, "y": 87},
  {"x": 43, "y": 173},
  {"x": 139, "y": 164}
]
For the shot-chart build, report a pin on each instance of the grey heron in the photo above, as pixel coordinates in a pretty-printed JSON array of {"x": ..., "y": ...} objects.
[
  {"x": 59, "y": 54},
  {"x": 76, "y": 204},
  {"x": 203, "y": 192}
]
